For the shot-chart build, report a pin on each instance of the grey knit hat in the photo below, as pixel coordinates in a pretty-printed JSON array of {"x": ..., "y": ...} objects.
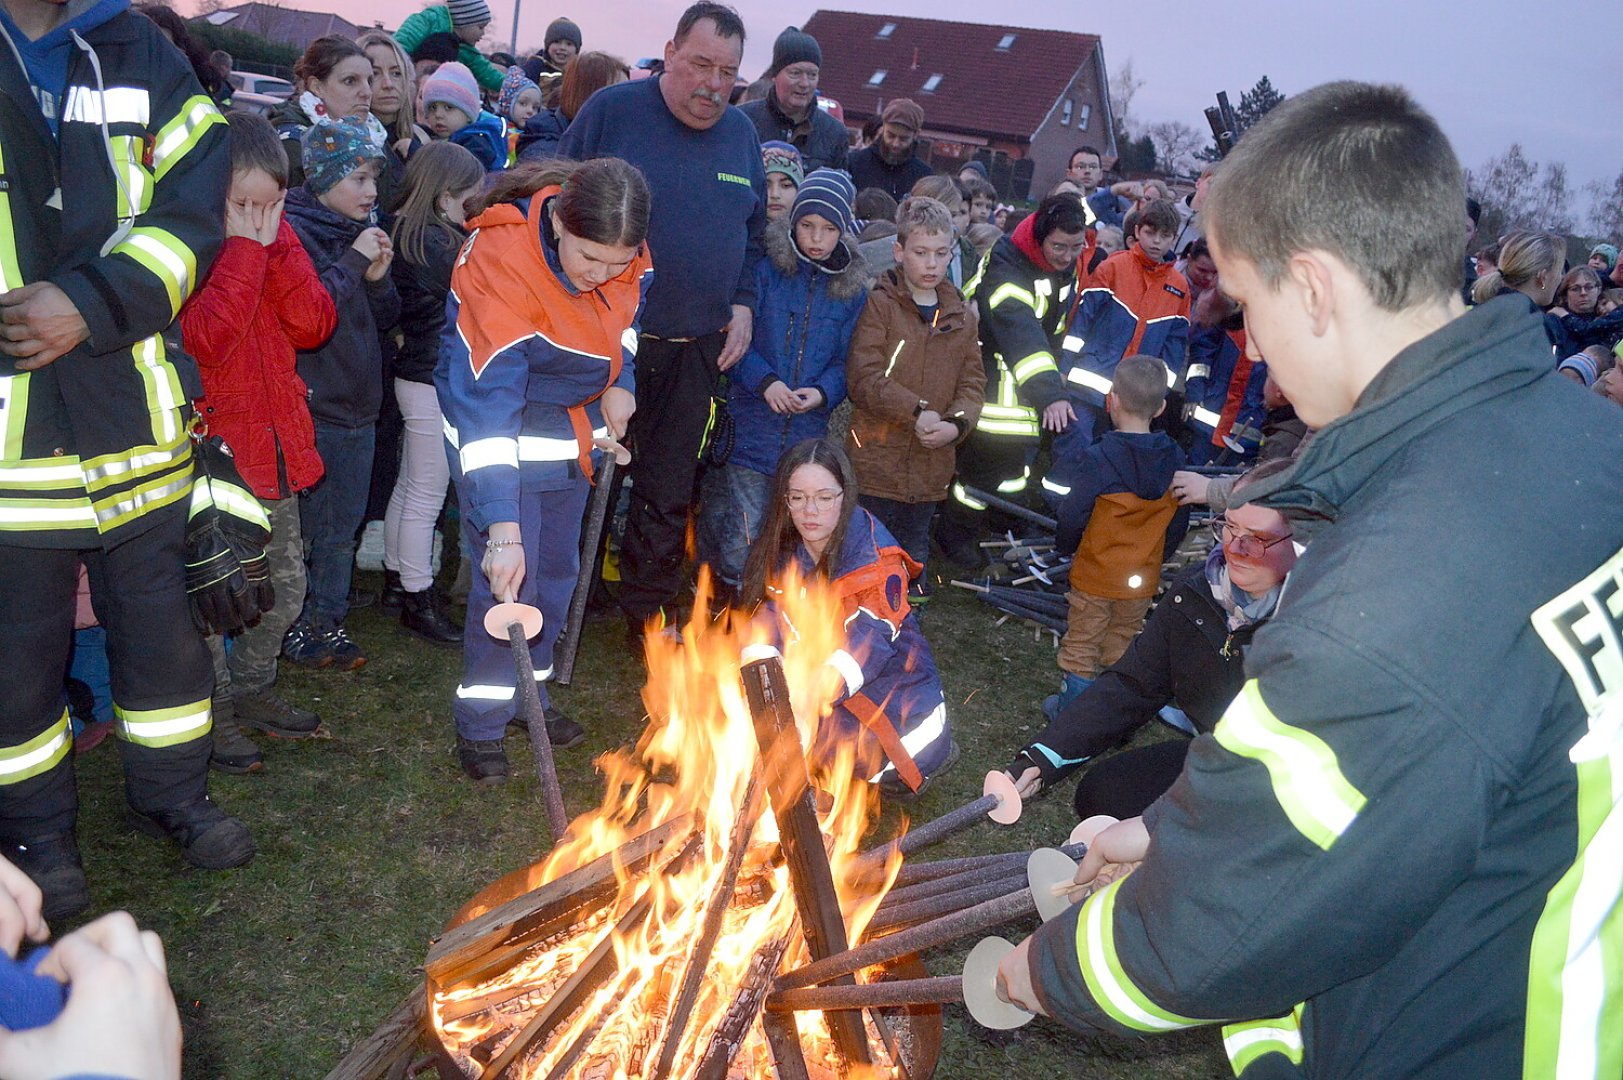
[
  {"x": 468, "y": 12},
  {"x": 562, "y": 30},
  {"x": 794, "y": 46}
]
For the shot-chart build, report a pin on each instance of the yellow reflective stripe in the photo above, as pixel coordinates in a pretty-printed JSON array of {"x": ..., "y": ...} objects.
[
  {"x": 163, "y": 727},
  {"x": 176, "y": 138},
  {"x": 127, "y": 152},
  {"x": 1203, "y": 415},
  {"x": 1010, "y": 487},
  {"x": 1055, "y": 487},
  {"x": 1019, "y": 428},
  {"x": 38, "y": 755},
  {"x": 13, "y": 388},
  {"x": 29, "y": 515},
  {"x": 127, "y": 505},
  {"x": 1010, "y": 291},
  {"x": 162, "y": 385},
  {"x": 980, "y": 271},
  {"x": 1033, "y": 365},
  {"x": 1306, "y": 777},
  {"x": 11, "y": 276},
  {"x": 134, "y": 463},
  {"x": 1244, "y": 1043},
  {"x": 965, "y": 498},
  {"x": 228, "y": 498},
  {"x": 1112, "y": 989},
  {"x": 165, "y": 258}
]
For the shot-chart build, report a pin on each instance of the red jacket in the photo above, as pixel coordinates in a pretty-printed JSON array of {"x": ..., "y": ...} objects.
[{"x": 258, "y": 305}]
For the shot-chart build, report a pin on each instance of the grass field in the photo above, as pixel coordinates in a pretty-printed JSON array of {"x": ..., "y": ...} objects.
[{"x": 371, "y": 838}]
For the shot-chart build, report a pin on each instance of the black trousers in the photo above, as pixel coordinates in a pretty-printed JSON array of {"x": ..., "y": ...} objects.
[
  {"x": 1123, "y": 785},
  {"x": 161, "y": 674},
  {"x": 984, "y": 462},
  {"x": 675, "y": 380}
]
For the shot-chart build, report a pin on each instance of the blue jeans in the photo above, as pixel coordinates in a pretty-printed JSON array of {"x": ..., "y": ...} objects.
[
  {"x": 329, "y": 516},
  {"x": 733, "y": 506}
]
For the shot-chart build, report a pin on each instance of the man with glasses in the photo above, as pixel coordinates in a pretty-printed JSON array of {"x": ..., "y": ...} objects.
[{"x": 790, "y": 113}]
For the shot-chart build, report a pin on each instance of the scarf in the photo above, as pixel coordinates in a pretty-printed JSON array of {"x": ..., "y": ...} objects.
[
  {"x": 316, "y": 110},
  {"x": 1240, "y": 607}
]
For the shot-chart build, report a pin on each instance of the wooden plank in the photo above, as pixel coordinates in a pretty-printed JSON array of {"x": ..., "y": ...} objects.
[{"x": 394, "y": 1040}]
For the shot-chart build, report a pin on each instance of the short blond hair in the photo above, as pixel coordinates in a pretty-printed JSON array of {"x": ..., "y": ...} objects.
[{"x": 920, "y": 213}]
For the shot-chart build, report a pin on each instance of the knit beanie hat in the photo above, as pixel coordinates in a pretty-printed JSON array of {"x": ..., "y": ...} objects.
[
  {"x": 468, "y": 12},
  {"x": 978, "y": 167},
  {"x": 333, "y": 149},
  {"x": 453, "y": 84},
  {"x": 828, "y": 194},
  {"x": 514, "y": 83},
  {"x": 780, "y": 157},
  {"x": 1607, "y": 252},
  {"x": 440, "y": 48},
  {"x": 794, "y": 46},
  {"x": 562, "y": 30},
  {"x": 904, "y": 112}
]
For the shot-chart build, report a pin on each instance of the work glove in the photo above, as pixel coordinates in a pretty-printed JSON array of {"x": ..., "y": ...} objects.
[
  {"x": 227, "y": 577},
  {"x": 1050, "y": 768}
]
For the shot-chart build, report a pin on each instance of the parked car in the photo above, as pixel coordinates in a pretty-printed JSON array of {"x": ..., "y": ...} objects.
[
  {"x": 249, "y": 101},
  {"x": 268, "y": 85}
]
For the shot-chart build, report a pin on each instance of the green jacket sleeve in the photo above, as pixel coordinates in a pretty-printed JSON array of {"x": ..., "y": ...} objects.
[{"x": 488, "y": 74}]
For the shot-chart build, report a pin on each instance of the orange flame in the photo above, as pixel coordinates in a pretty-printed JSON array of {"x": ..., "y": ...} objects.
[{"x": 695, "y": 757}]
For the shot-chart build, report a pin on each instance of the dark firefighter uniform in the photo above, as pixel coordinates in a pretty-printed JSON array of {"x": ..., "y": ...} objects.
[{"x": 113, "y": 191}]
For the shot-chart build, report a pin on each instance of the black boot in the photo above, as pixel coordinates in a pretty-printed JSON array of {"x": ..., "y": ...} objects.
[
  {"x": 208, "y": 836},
  {"x": 484, "y": 760},
  {"x": 393, "y": 597},
  {"x": 53, "y": 863},
  {"x": 423, "y": 615}
]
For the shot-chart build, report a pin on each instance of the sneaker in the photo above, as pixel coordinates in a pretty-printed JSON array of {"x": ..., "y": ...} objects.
[
  {"x": 893, "y": 787},
  {"x": 233, "y": 752},
  {"x": 392, "y": 598},
  {"x": 346, "y": 655},
  {"x": 423, "y": 614},
  {"x": 208, "y": 836},
  {"x": 307, "y": 647},
  {"x": 266, "y": 712},
  {"x": 484, "y": 760},
  {"x": 53, "y": 864},
  {"x": 562, "y": 730}
]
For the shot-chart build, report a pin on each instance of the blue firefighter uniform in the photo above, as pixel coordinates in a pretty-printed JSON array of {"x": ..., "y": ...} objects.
[
  {"x": 1216, "y": 358},
  {"x": 524, "y": 358}
]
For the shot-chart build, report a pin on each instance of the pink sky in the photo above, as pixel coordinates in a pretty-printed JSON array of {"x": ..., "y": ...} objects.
[{"x": 1493, "y": 72}]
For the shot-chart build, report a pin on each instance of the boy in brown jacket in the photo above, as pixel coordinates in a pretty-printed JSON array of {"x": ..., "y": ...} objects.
[{"x": 916, "y": 381}]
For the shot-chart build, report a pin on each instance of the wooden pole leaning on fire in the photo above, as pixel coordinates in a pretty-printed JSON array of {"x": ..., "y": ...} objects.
[
  {"x": 597, "y": 518},
  {"x": 999, "y": 802},
  {"x": 518, "y": 623},
  {"x": 800, "y": 835}
]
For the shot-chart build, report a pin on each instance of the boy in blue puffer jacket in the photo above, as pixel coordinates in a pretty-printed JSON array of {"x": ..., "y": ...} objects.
[{"x": 811, "y": 287}]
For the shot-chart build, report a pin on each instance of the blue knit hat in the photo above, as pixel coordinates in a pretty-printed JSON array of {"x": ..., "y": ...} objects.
[
  {"x": 514, "y": 83},
  {"x": 1605, "y": 251},
  {"x": 781, "y": 157},
  {"x": 333, "y": 149},
  {"x": 828, "y": 193}
]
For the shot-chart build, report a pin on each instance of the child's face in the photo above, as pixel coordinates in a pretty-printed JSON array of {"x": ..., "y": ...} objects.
[
  {"x": 253, "y": 187},
  {"x": 356, "y": 195},
  {"x": 780, "y": 195},
  {"x": 980, "y": 210},
  {"x": 1155, "y": 243},
  {"x": 923, "y": 257},
  {"x": 816, "y": 236},
  {"x": 960, "y": 217},
  {"x": 525, "y": 106},
  {"x": 445, "y": 119}
]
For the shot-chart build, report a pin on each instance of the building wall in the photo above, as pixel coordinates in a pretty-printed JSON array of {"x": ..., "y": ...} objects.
[{"x": 1053, "y": 143}]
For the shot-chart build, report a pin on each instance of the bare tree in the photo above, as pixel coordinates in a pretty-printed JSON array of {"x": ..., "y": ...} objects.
[
  {"x": 1175, "y": 144},
  {"x": 1124, "y": 86},
  {"x": 1517, "y": 193},
  {"x": 1606, "y": 209}
]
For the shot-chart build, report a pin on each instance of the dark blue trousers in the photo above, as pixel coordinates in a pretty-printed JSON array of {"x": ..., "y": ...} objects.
[{"x": 550, "y": 523}]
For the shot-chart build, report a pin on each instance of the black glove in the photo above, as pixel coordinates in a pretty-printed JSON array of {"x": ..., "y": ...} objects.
[
  {"x": 1050, "y": 766},
  {"x": 227, "y": 577}
]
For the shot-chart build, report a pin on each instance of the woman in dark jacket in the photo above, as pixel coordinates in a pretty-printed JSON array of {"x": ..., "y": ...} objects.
[
  {"x": 586, "y": 75},
  {"x": 335, "y": 82},
  {"x": 1189, "y": 655}
]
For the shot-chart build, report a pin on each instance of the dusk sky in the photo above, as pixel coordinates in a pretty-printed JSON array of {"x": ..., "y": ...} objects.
[{"x": 1492, "y": 71}]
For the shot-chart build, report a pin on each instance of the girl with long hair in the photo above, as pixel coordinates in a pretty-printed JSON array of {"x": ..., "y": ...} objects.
[
  {"x": 535, "y": 381},
  {"x": 428, "y": 231},
  {"x": 887, "y": 693}
]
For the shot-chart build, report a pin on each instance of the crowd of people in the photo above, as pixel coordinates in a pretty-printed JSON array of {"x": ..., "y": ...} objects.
[{"x": 434, "y": 276}]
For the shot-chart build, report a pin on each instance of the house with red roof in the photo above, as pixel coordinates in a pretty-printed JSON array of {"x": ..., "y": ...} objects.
[{"x": 1017, "y": 99}]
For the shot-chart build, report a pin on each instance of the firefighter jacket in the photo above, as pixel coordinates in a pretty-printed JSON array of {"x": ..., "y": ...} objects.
[
  {"x": 1396, "y": 855},
  {"x": 524, "y": 358},
  {"x": 1223, "y": 390},
  {"x": 1022, "y": 306},
  {"x": 1132, "y": 306},
  {"x": 122, "y": 210}
]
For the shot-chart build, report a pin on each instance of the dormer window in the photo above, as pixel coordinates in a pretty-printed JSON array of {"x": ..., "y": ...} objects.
[
  {"x": 885, "y": 31},
  {"x": 1006, "y": 42},
  {"x": 877, "y": 77},
  {"x": 931, "y": 83}
]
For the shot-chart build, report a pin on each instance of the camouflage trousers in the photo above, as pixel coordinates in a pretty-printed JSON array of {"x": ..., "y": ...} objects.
[{"x": 252, "y": 665}]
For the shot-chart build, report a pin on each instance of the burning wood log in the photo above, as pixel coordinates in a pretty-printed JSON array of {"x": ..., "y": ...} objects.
[{"x": 800, "y": 835}]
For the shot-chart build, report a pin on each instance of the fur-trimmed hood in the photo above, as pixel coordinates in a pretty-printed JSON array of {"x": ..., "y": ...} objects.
[{"x": 847, "y": 272}]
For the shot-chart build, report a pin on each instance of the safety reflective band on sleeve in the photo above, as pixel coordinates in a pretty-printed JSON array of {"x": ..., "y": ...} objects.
[
  {"x": 176, "y": 138},
  {"x": 1246, "y": 1042},
  {"x": 1203, "y": 415},
  {"x": 1090, "y": 379},
  {"x": 1035, "y": 364},
  {"x": 1056, "y": 488},
  {"x": 114, "y": 105},
  {"x": 1305, "y": 774},
  {"x": 38, "y": 755},
  {"x": 1010, "y": 291},
  {"x": 1197, "y": 371},
  {"x": 487, "y": 692},
  {"x": 920, "y": 739},
  {"x": 1072, "y": 344},
  {"x": 629, "y": 340},
  {"x": 849, "y": 670},
  {"x": 1112, "y": 989},
  {"x": 165, "y": 257},
  {"x": 132, "y": 464},
  {"x": 163, "y": 727},
  {"x": 484, "y": 453},
  {"x": 965, "y": 498}
]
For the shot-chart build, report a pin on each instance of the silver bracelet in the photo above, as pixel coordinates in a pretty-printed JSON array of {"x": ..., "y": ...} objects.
[{"x": 502, "y": 543}]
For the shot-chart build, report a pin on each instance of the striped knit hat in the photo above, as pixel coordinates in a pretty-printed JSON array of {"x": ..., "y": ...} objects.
[
  {"x": 468, "y": 12},
  {"x": 828, "y": 193}
]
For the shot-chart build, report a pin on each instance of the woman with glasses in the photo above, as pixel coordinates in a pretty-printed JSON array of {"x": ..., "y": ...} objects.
[
  {"x": 1586, "y": 320},
  {"x": 888, "y": 699},
  {"x": 1189, "y": 655}
]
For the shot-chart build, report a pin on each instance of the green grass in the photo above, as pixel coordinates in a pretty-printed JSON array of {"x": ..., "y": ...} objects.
[{"x": 370, "y": 840}]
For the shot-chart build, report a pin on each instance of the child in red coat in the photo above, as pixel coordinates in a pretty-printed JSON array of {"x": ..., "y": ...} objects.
[{"x": 261, "y": 302}]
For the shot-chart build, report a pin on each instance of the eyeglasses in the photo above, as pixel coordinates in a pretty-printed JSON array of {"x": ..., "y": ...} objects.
[
  {"x": 820, "y": 501},
  {"x": 1244, "y": 544},
  {"x": 1583, "y": 287}
]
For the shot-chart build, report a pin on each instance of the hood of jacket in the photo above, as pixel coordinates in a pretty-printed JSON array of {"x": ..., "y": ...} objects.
[
  {"x": 1024, "y": 239},
  {"x": 289, "y": 114},
  {"x": 325, "y": 229},
  {"x": 1142, "y": 462},
  {"x": 846, "y": 271},
  {"x": 54, "y": 48},
  {"x": 952, "y": 310},
  {"x": 1493, "y": 349}
]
